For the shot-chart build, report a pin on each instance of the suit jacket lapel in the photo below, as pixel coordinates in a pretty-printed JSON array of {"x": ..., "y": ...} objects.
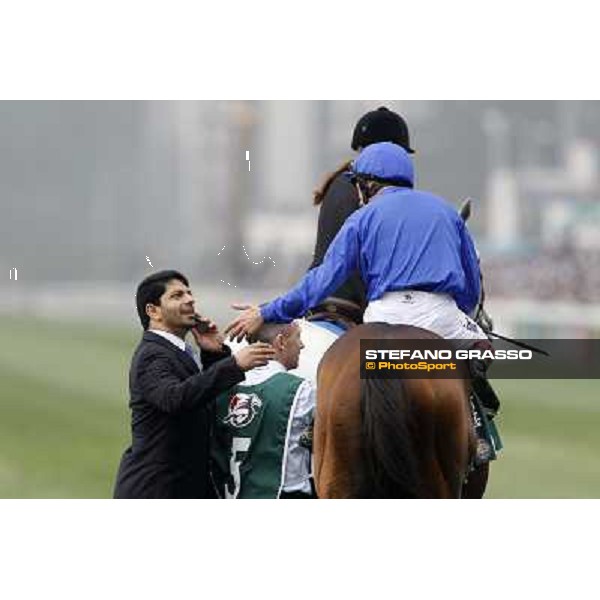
[{"x": 184, "y": 357}]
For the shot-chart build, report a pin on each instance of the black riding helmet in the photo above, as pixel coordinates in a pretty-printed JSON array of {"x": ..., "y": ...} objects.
[{"x": 381, "y": 125}]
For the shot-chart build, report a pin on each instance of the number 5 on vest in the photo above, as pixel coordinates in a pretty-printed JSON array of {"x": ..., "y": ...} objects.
[{"x": 238, "y": 445}]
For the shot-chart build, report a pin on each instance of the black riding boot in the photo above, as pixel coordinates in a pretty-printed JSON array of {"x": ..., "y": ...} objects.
[
  {"x": 486, "y": 395},
  {"x": 482, "y": 389},
  {"x": 484, "y": 408}
]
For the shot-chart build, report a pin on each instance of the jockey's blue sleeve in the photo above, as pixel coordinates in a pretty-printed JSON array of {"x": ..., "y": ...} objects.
[
  {"x": 468, "y": 298},
  {"x": 340, "y": 260}
]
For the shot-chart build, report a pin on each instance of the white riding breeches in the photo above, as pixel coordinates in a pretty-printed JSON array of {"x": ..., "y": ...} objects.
[{"x": 428, "y": 310}]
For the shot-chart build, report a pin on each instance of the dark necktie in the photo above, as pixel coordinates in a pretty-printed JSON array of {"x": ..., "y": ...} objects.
[{"x": 189, "y": 350}]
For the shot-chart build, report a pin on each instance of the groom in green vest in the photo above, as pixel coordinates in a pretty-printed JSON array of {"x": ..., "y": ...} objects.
[{"x": 256, "y": 449}]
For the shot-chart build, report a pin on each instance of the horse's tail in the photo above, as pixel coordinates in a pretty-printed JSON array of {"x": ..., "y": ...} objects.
[{"x": 391, "y": 469}]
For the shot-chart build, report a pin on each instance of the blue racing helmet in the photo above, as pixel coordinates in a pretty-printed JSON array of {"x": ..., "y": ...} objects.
[{"x": 384, "y": 162}]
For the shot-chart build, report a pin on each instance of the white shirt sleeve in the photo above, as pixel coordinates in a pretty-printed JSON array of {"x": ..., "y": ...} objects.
[{"x": 297, "y": 464}]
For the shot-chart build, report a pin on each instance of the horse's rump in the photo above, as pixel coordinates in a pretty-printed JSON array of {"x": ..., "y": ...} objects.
[{"x": 388, "y": 438}]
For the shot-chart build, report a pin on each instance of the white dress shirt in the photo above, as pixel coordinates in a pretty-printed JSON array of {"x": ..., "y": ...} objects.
[
  {"x": 174, "y": 339},
  {"x": 181, "y": 344}
]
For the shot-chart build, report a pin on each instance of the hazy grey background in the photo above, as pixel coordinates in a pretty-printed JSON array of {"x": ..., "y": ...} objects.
[{"x": 89, "y": 189}]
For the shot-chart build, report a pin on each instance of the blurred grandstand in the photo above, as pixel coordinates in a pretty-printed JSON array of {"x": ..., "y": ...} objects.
[{"x": 89, "y": 189}]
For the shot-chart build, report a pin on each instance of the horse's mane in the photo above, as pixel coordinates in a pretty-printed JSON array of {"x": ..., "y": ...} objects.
[{"x": 320, "y": 192}]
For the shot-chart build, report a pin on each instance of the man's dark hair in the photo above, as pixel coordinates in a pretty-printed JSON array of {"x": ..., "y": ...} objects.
[{"x": 151, "y": 289}]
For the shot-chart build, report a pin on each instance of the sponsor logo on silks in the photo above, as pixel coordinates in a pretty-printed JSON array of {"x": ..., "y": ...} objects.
[
  {"x": 471, "y": 325},
  {"x": 242, "y": 409},
  {"x": 407, "y": 298}
]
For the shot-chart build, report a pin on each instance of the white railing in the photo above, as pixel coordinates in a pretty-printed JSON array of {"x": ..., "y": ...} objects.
[{"x": 542, "y": 319}]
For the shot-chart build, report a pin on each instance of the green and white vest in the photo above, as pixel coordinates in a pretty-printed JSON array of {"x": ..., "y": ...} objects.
[{"x": 250, "y": 437}]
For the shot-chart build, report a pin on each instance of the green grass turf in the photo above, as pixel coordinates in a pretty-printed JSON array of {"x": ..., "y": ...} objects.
[
  {"x": 64, "y": 420},
  {"x": 551, "y": 436},
  {"x": 63, "y": 408}
]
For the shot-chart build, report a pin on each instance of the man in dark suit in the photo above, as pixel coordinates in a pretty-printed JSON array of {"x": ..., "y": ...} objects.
[{"x": 171, "y": 400}]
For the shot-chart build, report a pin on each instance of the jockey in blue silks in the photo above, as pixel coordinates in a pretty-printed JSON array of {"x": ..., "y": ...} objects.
[{"x": 413, "y": 251}]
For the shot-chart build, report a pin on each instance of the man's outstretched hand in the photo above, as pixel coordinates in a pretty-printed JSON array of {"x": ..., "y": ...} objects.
[{"x": 247, "y": 323}]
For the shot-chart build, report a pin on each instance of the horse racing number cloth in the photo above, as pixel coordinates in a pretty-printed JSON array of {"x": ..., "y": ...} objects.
[{"x": 251, "y": 438}]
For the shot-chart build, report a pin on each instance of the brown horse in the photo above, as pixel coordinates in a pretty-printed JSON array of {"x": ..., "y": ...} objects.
[{"x": 389, "y": 438}]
